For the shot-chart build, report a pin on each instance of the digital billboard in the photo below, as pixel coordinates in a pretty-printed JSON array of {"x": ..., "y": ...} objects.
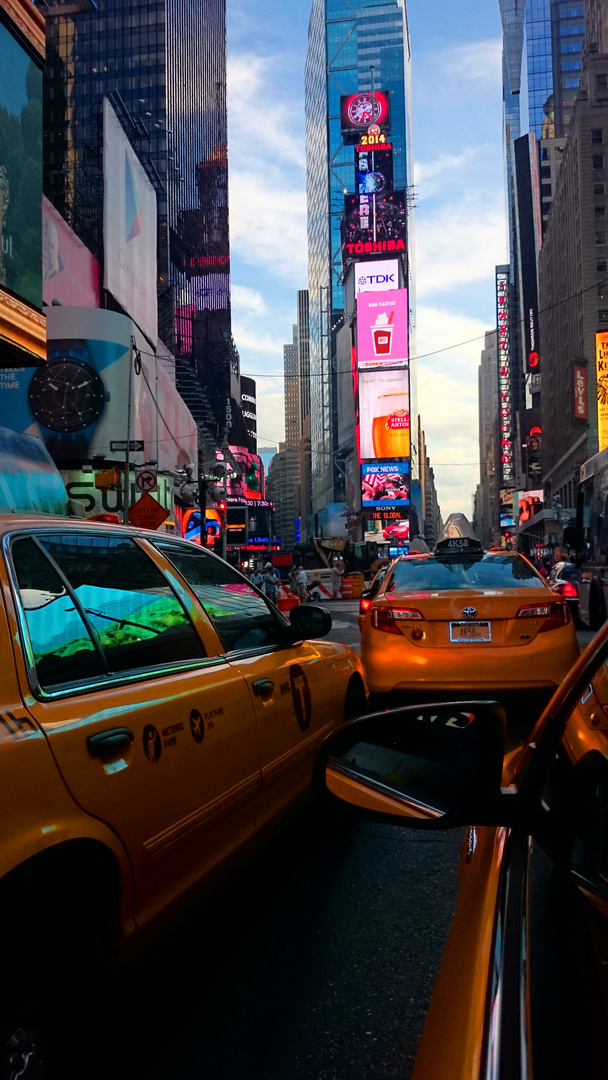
[
  {"x": 129, "y": 228},
  {"x": 373, "y": 169},
  {"x": 601, "y": 367},
  {"x": 250, "y": 483},
  {"x": 382, "y": 329},
  {"x": 507, "y": 520},
  {"x": 374, "y": 224},
  {"x": 385, "y": 483},
  {"x": 507, "y": 471},
  {"x": 358, "y": 111},
  {"x": 381, "y": 276},
  {"x": 529, "y": 503},
  {"x": 384, "y": 414},
  {"x": 78, "y": 402},
  {"x": 20, "y": 171},
  {"x": 70, "y": 273}
]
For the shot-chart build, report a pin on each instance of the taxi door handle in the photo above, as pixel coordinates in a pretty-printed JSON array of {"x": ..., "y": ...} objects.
[
  {"x": 108, "y": 742},
  {"x": 263, "y": 686}
]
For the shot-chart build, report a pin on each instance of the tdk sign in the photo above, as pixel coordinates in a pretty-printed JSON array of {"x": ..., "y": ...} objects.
[{"x": 376, "y": 276}]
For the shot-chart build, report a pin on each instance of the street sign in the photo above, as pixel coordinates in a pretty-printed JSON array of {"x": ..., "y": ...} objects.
[
  {"x": 134, "y": 445},
  {"x": 147, "y": 513},
  {"x": 145, "y": 480}
]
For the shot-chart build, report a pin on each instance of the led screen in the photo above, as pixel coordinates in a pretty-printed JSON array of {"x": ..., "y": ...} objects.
[
  {"x": 357, "y": 111},
  {"x": 382, "y": 329},
  {"x": 386, "y": 483},
  {"x": 374, "y": 224},
  {"x": 384, "y": 414},
  {"x": 373, "y": 170}
]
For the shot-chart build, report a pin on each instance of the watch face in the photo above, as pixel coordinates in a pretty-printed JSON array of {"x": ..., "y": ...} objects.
[{"x": 67, "y": 395}]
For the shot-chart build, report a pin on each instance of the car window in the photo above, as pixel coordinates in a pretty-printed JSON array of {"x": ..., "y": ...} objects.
[
  {"x": 473, "y": 572},
  {"x": 97, "y": 605},
  {"x": 242, "y": 618}
]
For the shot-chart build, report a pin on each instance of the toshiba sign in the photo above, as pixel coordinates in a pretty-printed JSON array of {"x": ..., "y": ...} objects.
[{"x": 376, "y": 276}]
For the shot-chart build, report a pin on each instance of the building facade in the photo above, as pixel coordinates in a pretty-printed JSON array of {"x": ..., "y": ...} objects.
[
  {"x": 488, "y": 493},
  {"x": 353, "y": 49}
]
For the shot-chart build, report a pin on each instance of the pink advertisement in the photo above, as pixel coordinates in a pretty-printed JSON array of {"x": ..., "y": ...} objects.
[
  {"x": 70, "y": 273},
  {"x": 382, "y": 329}
]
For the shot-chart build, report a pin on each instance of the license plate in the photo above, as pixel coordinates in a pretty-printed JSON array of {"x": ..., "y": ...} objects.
[{"x": 470, "y": 631}]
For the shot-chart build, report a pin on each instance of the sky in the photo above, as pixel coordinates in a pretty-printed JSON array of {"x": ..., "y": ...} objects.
[{"x": 460, "y": 219}]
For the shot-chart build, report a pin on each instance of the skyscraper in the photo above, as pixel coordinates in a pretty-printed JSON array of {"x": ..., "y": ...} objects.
[
  {"x": 354, "y": 48},
  {"x": 162, "y": 64}
]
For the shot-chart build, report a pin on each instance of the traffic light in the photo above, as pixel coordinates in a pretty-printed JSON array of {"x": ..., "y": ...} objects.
[{"x": 109, "y": 479}]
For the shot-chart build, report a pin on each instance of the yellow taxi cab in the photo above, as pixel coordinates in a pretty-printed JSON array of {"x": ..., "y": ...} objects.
[
  {"x": 158, "y": 719},
  {"x": 460, "y": 618},
  {"x": 522, "y": 989}
]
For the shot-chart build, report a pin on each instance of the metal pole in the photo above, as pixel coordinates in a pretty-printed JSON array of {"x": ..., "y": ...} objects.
[
  {"x": 202, "y": 505},
  {"x": 126, "y": 491}
]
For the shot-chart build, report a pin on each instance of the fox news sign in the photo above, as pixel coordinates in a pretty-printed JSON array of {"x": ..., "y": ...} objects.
[{"x": 376, "y": 276}]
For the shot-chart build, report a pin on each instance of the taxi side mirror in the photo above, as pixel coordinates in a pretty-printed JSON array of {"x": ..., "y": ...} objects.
[
  {"x": 430, "y": 766},
  {"x": 310, "y": 621}
]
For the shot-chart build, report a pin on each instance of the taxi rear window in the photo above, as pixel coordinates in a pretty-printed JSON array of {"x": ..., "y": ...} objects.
[{"x": 468, "y": 572}]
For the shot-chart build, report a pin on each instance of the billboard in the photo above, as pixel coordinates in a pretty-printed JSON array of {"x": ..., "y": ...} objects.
[
  {"x": 374, "y": 224},
  {"x": 385, "y": 484},
  {"x": 20, "y": 171},
  {"x": 373, "y": 169},
  {"x": 78, "y": 403},
  {"x": 601, "y": 368},
  {"x": 236, "y": 525},
  {"x": 384, "y": 414},
  {"x": 249, "y": 411},
  {"x": 358, "y": 111},
  {"x": 70, "y": 274},
  {"x": 507, "y": 520},
  {"x": 382, "y": 329},
  {"x": 381, "y": 276},
  {"x": 530, "y": 239},
  {"x": 580, "y": 393},
  {"x": 250, "y": 484},
  {"x": 129, "y": 227},
  {"x": 529, "y": 503},
  {"x": 507, "y": 473}
]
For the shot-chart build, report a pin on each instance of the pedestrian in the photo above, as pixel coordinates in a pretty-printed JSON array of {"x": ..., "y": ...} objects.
[
  {"x": 336, "y": 580},
  {"x": 302, "y": 583},
  {"x": 292, "y": 577},
  {"x": 257, "y": 579},
  {"x": 270, "y": 582}
]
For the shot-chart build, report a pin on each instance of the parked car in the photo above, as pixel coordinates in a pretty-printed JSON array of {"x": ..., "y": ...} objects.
[
  {"x": 564, "y": 579},
  {"x": 159, "y": 719},
  {"x": 522, "y": 989}
]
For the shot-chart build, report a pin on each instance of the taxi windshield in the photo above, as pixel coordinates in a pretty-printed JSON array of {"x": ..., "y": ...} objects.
[{"x": 464, "y": 572}]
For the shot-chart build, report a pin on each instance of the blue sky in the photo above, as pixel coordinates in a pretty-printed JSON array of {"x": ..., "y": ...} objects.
[{"x": 460, "y": 224}]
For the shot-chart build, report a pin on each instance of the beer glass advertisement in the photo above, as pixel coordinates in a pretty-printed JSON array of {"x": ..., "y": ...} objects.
[
  {"x": 382, "y": 329},
  {"x": 384, "y": 414},
  {"x": 20, "y": 171},
  {"x": 373, "y": 170},
  {"x": 384, "y": 484}
]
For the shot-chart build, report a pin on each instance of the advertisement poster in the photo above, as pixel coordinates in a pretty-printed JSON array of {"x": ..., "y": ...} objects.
[
  {"x": 78, "y": 403},
  {"x": 386, "y": 483},
  {"x": 580, "y": 393},
  {"x": 374, "y": 223},
  {"x": 129, "y": 227},
  {"x": 358, "y": 111},
  {"x": 601, "y": 367},
  {"x": 70, "y": 274},
  {"x": 373, "y": 169},
  {"x": 20, "y": 171},
  {"x": 250, "y": 484},
  {"x": 384, "y": 414},
  {"x": 382, "y": 329},
  {"x": 529, "y": 503},
  {"x": 507, "y": 520},
  {"x": 381, "y": 276}
]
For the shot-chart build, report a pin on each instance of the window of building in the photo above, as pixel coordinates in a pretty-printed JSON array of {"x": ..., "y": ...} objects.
[
  {"x": 544, "y": 153},
  {"x": 599, "y": 212},
  {"x": 599, "y": 189},
  {"x": 570, "y": 84},
  {"x": 601, "y": 266},
  {"x": 600, "y": 238},
  {"x": 571, "y": 47},
  {"x": 598, "y": 161},
  {"x": 545, "y": 172},
  {"x": 597, "y": 135},
  {"x": 546, "y": 207},
  {"x": 572, "y": 29},
  {"x": 602, "y": 315},
  {"x": 572, "y": 12},
  {"x": 601, "y": 82},
  {"x": 602, "y": 291},
  {"x": 571, "y": 65},
  {"x": 545, "y": 190}
]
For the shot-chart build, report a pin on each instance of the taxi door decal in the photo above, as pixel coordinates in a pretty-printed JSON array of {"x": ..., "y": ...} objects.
[{"x": 301, "y": 696}]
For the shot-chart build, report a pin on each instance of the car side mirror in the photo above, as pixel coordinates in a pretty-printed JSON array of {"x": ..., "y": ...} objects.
[
  {"x": 430, "y": 766},
  {"x": 310, "y": 621}
]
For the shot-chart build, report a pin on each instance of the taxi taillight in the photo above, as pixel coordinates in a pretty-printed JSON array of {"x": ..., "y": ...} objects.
[
  {"x": 566, "y": 589},
  {"x": 387, "y": 619},
  {"x": 364, "y": 605},
  {"x": 555, "y": 615}
]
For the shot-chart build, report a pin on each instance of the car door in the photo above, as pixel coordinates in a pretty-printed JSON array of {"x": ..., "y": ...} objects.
[
  {"x": 153, "y": 731},
  {"x": 297, "y": 689}
]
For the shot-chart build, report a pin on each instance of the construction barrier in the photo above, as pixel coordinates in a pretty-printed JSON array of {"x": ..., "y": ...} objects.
[
  {"x": 286, "y": 601},
  {"x": 357, "y": 583},
  {"x": 346, "y": 588}
]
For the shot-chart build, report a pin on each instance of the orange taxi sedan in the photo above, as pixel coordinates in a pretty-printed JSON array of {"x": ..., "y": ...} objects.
[{"x": 459, "y": 619}]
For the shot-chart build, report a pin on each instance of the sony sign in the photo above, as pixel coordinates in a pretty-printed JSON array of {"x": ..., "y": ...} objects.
[{"x": 376, "y": 276}]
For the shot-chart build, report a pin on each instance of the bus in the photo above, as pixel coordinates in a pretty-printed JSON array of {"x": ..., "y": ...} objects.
[{"x": 592, "y": 540}]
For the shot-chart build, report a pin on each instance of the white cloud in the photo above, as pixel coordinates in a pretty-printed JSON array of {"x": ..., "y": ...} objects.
[
  {"x": 260, "y": 123},
  {"x": 271, "y": 412},
  {"x": 448, "y": 403},
  {"x": 457, "y": 244},
  {"x": 423, "y": 172},
  {"x": 268, "y": 225},
  {"x": 478, "y": 61}
]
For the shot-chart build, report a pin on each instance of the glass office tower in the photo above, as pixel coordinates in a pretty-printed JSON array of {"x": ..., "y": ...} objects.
[
  {"x": 349, "y": 43},
  {"x": 162, "y": 63}
]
